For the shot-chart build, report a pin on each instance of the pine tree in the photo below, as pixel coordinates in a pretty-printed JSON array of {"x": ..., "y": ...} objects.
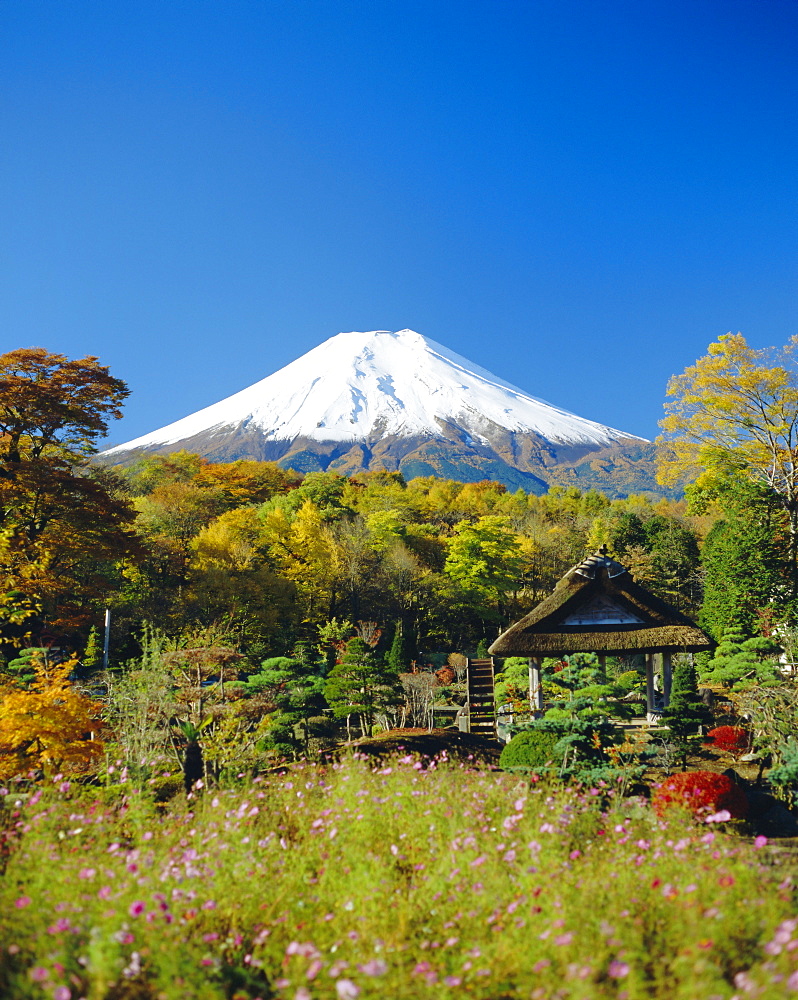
[
  {"x": 403, "y": 648},
  {"x": 741, "y": 662},
  {"x": 297, "y": 686},
  {"x": 93, "y": 656},
  {"x": 743, "y": 559},
  {"x": 686, "y": 713},
  {"x": 24, "y": 666},
  {"x": 361, "y": 685}
]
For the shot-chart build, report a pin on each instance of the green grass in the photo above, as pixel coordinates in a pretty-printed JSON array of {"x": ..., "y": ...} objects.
[{"x": 392, "y": 882}]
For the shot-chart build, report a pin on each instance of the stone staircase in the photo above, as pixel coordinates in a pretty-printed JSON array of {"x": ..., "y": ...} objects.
[{"x": 482, "y": 708}]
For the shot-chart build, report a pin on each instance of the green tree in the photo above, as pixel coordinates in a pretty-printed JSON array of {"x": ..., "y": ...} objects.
[
  {"x": 361, "y": 685},
  {"x": 745, "y": 575},
  {"x": 686, "y": 713},
  {"x": 484, "y": 556},
  {"x": 512, "y": 683},
  {"x": 296, "y": 685},
  {"x": 582, "y": 690},
  {"x": 403, "y": 648},
  {"x": 23, "y": 667},
  {"x": 742, "y": 662},
  {"x": 93, "y": 655}
]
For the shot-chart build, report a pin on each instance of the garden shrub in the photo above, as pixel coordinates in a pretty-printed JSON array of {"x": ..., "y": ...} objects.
[
  {"x": 166, "y": 787},
  {"x": 734, "y": 740},
  {"x": 629, "y": 680},
  {"x": 784, "y": 777},
  {"x": 530, "y": 750},
  {"x": 445, "y": 676},
  {"x": 701, "y": 791}
]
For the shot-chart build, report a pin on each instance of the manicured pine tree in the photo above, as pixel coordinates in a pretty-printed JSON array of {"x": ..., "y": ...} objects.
[
  {"x": 23, "y": 667},
  {"x": 686, "y": 712},
  {"x": 361, "y": 685},
  {"x": 741, "y": 662},
  {"x": 297, "y": 684}
]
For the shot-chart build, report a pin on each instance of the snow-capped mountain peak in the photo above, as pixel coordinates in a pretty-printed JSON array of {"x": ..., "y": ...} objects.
[{"x": 366, "y": 387}]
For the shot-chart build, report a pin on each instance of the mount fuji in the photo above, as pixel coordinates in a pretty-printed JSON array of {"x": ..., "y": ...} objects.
[{"x": 397, "y": 402}]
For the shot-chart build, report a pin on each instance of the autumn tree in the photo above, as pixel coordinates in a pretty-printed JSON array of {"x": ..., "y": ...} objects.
[
  {"x": 230, "y": 574},
  {"x": 302, "y": 549},
  {"x": 48, "y": 725},
  {"x": 735, "y": 412},
  {"x": 63, "y": 520}
]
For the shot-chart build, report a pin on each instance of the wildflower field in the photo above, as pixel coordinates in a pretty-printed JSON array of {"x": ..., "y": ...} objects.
[{"x": 395, "y": 880}]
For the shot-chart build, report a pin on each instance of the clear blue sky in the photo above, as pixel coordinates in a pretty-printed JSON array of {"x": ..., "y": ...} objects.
[{"x": 577, "y": 195}]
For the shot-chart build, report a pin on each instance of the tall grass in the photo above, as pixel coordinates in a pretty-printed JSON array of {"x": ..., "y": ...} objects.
[{"x": 391, "y": 882}]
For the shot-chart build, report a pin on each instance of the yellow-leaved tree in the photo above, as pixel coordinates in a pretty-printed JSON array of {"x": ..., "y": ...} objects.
[
  {"x": 303, "y": 551},
  {"x": 47, "y": 726},
  {"x": 735, "y": 413}
]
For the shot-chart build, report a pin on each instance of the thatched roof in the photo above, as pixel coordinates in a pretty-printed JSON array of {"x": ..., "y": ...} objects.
[{"x": 598, "y": 608}]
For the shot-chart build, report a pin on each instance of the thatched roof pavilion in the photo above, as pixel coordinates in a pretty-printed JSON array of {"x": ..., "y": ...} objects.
[{"x": 598, "y": 608}]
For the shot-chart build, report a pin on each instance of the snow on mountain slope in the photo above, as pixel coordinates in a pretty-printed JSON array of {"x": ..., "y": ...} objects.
[{"x": 364, "y": 386}]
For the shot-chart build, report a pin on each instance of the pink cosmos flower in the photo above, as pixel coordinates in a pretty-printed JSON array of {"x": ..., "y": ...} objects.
[
  {"x": 374, "y": 967},
  {"x": 135, "y": 909},
  {"x": 347, "y": 990},
  {"x": 722, "y": 816},
  {"x": 314, "y": 969},
  {"x": 617, "y": 970}
]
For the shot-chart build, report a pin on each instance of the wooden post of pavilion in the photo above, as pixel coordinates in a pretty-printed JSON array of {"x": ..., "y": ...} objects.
[
  {"x": 535, "y": 687},
  {"x": 650, "y": 667},
  {"x": 667, "y": 677}
]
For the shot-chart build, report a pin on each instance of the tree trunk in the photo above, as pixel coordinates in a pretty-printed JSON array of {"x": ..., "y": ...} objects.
[{"x": 193, "y": 765}]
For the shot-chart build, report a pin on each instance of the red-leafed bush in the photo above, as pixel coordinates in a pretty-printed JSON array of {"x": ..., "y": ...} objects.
[
  {"x": 701, "y": 791},
  {"x": 445, "y": 675},
  {"x": 731, "y": 739}
]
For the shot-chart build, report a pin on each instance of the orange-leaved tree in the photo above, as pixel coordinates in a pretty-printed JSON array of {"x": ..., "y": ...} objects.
[
  {"x": 64, "y": 522},
  {"x": 47, "y": 726}
]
